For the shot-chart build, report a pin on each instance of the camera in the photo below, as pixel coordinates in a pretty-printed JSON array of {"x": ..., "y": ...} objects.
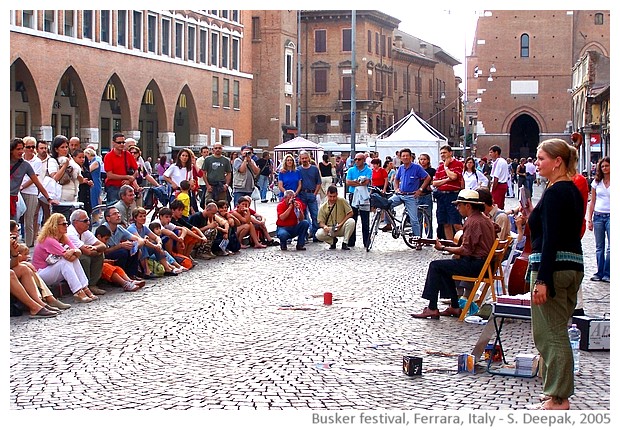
[{"x": 246, "y": 153}]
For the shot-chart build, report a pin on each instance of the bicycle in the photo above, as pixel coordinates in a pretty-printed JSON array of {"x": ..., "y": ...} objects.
[{"x": 399, "y": 227}]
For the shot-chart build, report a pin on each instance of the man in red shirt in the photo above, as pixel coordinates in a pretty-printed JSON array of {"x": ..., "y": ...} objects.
[
  {"x": 291, "y": 222},
  {"x": 121, "y": 168},
  {"x": 447, "y": 181}
]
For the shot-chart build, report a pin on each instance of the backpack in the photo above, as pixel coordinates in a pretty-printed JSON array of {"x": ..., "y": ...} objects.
[
  {"x": 155, "y": 267},
  {"x": 183, "y": 261}
]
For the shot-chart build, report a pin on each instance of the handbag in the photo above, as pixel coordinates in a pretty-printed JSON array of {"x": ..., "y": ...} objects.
[
  {"x": 255, "y": 193},
  {"x": 52, "y": 259},
  {"x": 53, "y": 188}
]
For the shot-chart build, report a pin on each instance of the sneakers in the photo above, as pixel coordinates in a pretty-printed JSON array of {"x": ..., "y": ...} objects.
[
  {"x": 333, "y": 245},
  {"x": 595, "y": 278},
  {"x": 131, "y": 287}
]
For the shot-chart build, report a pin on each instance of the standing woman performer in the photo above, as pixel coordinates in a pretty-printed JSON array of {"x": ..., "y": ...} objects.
[
  {"x": 598, "y": 219},
  {"x": 555, "y": 268}
]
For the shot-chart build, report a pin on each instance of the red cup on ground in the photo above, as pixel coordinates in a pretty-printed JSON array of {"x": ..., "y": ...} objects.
[{"x": 327, "y": 298}]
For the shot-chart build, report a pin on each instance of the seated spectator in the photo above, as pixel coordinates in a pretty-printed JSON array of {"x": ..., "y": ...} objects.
[
  {"x": 122, "y": 246},
  {"x": 183, "y": 197},
  {"x": 92, "y": 249},
  {"x": 153, "y": 247},
  {"x": 112, "y": 273},
  {"x": 233, "y": 245},
  {"x": 291, "y": 221},
  {"x": 246, "y": 226},
  {"x": 193, "y": 235},
  {"x": 126, "y": 203},
  {"x": 51, "y": 302},
  {"x": 56, "y": 259},
  {"x": 208, "y": 221},
  {"x": 27, "y": 296},
  {"x": 260, "y": 225},
  {"x": 171, "y": 264}
]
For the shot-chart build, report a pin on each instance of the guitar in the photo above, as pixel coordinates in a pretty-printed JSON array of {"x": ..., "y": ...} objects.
[{"x": 458, "y": 236}]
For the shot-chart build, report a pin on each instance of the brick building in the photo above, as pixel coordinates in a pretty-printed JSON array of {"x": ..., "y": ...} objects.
[
  {"x": 165, "y": 78},
  {"x": 395, "y": 73},
  {"x": 520, "y": 73}
]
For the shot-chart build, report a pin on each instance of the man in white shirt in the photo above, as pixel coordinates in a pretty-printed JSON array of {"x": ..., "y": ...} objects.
[
  {"x": 499, "y": 176},
  {"x": 530, "y": 175},
  {"x": 29, "y": 192},
  {"x": 204, "y": 153},
  {"x": 91, "y": 247}
]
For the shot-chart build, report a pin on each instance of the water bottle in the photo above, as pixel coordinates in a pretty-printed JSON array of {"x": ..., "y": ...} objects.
[{"x": 574, "y": 335}]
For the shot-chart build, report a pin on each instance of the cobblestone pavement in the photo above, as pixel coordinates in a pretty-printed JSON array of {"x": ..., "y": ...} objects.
[{"x": 223, "y": 336}]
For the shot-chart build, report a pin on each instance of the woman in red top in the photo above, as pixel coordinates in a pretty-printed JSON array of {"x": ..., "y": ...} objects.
[{"x": 379, "y": 175}]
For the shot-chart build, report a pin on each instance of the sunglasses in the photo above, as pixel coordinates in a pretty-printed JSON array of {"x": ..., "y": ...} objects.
[
  {"x": 120, "y": 143},
  {"x": 29, "y": 147},
  {"x": 63, "y": 223},
  {"x": 83, "y": 220}
]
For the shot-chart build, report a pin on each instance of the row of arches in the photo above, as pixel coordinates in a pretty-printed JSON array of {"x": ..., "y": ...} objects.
[{"x": 95, "y": 111}]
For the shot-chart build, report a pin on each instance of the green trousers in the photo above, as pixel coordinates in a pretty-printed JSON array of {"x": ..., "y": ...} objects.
[{"x": 550, "y": 332}]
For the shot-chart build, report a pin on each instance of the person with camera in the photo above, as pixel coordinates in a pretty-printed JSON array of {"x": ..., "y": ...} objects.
[
  {"x": 244, "y": 172},
  {"x": 121, "y": 168},
  {"x": 335, "y": 220},
  {"x": 291, "y": 221}
]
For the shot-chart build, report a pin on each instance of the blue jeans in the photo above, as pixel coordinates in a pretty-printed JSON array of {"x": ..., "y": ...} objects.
[
  {"x": 263, "y": 184},
  {"x": 300, "y": 231},
  {"x": 411, "y": 204},
  {"x": 427, "y": 200},
  {"x": 111, "y": 194},
  {"x": 312, "y": 207},
  {"x": 238, "y": 194},
  {"x": 601, "y": 222}
]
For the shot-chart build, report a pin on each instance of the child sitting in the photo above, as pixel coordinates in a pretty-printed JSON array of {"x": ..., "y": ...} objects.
[
  {"x": 112, "y": 273},
  {"x": 170, "y": 264},
  {"x": 246, "y": 226}
]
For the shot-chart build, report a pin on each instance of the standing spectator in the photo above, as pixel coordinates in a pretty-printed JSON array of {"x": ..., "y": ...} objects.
[
  {"x": 288, "y": 176},
  {"x": 143, "y": 176},
  {"x": 218, "y": 174},
  {"x": 310, "y": 186},
  {"x": 325, "y": 169},
  {"x": 86, "y": 183},
  {"x": 521, "y": 174},
  {"x": 64, "y": 169},
  {"x": 244, "y": 171},
  {"x": 291, "y": 221},
  {"x": 121, "y": 168},
  {"x": 530, "y": 175},
  {"x": 94, "y": 165},
  {"x": 556, "y": 264},
  {"x": 358, "y": 178},
  {"x": 265, "y": 166},
  {"x": 202, "y": 185},
  {"x": 447, "y": 181},
  {"x": 339, "y": 170},
  {"x": 472, "y": 178},
  {"x": 29, "y": 191},
  {"x": 162, "y": 166},
  {"x": 19, "y": 169},
  {"x": 44, "y": 207},
  {"x": 598, "y": 217},
  {"x": 500, "y": 176},
  {"x": 148, "y": 165},
  {"x": 427, "y": 192},
  {"x": 379, "y": 175}
]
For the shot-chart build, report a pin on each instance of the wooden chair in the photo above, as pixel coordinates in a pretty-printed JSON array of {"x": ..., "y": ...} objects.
[{"x": 491, "y": 271}]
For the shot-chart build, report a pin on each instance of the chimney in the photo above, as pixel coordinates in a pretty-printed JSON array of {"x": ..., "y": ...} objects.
[
  {"x": 423, "y": 48},
  {"x": 398, "y": 41}
]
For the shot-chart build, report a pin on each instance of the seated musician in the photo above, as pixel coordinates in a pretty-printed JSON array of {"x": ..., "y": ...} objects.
[{"x": 477, "y": 240}]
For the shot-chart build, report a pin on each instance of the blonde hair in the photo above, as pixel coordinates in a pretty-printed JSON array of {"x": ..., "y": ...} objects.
[
  {"x": 50, "y": 228},
  {"x": 29, "y": 139},
  {"x": 559, "y": 148},
  {"x": 90, "y": 151},
  {"x": 284, "y": 166}
]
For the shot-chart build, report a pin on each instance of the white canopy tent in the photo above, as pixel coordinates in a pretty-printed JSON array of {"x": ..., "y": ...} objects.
[
  {"x": 296, "y": 145},
  {"x": 414, "y": 133}
]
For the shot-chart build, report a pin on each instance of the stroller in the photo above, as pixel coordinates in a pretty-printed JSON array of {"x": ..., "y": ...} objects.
[{"x": 153, "y": 196}]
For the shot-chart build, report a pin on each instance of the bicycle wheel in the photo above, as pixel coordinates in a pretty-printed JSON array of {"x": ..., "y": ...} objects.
[
  {"x": 406, "y": 231},
  {"x": 426, "y": 224},
  {"x": 374, "y": 228}
]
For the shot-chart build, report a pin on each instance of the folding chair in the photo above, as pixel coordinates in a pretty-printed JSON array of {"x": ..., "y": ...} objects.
[{"x": 491, "y": 271}]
